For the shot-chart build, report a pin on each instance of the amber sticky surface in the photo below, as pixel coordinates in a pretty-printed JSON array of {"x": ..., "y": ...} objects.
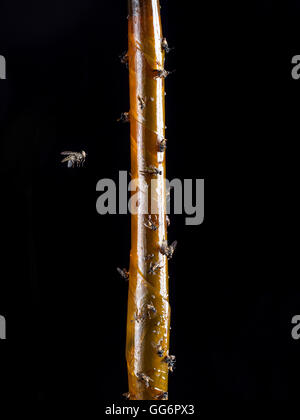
[{"x": 147, "y": 129}]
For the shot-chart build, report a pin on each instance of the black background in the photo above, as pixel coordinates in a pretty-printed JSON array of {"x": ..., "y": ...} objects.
[{"x": 232, "y": 114}]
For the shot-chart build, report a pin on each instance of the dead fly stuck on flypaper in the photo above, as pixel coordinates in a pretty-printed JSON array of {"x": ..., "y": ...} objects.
[
  {"x": 165, "y": 45},
  {"x": 162, "y": 396},
  {"x": 151, "y": 170},
  {"x": 123, "y": 273},
  {"x": 162, "y": 145},
  {"x": 124, "y": 117},
  {"x": 168, "y": 250},
  {"x": 147, "y": 312},
  {"x": 154, "y": 267},
  {"x": 124, "y": 58},
  {"x": 144, "y": 378},
  {"x": 159, "y": 349},
  {"x": 150, "y": 224},
  {"x": 170, "y": 360},
  {"x": 161, "y": 73},
  {"x": 150, "y": 310},
  {"x": 142, "y": 102}
]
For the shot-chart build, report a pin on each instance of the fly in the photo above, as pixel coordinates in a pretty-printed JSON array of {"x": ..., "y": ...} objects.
[{"x": 74, "y": 158}]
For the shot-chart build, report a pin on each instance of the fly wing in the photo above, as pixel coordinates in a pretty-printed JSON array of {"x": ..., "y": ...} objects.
[
  {"x": 121, "y": 272},
  {"x": 66, "y": 159},
  {"x": 174, "y": 245},
  {"x": 70, "y": 164},
  {"x": 67, "y": 153}
]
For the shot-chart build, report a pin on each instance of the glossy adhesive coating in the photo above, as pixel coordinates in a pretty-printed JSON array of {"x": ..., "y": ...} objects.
[{"x": 146, "y": 329}]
